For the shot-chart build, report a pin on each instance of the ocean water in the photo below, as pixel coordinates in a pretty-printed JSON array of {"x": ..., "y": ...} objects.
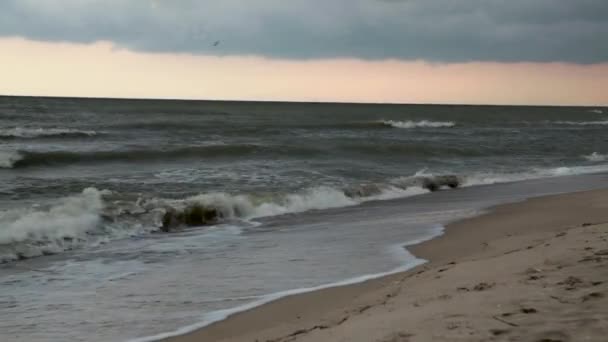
[{"x": 302, "y": 195}]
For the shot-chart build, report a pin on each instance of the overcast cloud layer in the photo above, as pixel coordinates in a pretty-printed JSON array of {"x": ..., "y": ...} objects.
[{"x": 433, "y": 30}]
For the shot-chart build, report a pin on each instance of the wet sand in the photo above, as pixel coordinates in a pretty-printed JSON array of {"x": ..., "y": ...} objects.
[{"x": 530, "y": 271}]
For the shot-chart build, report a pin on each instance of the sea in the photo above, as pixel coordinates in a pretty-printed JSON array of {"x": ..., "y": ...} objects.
[{"x": 302, "y": 196}]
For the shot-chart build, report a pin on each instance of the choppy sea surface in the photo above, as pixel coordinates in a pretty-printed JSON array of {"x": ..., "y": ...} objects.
[{"x": 303, "y": 196}]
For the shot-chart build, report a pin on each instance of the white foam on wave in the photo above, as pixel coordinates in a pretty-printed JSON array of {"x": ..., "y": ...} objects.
[
  {"x": 582, "y": 123},
  {"x": 488, "y": 178},
  {"x": 317, "y": 198},
  {"x": 324, "y": 198},
  {"x": 246, "y": 207},
  {"x": 76, "y": 221},
  {"x": 20, "y": 132},
  {"x": 399, "y": 250},
  {"x": 418, "y": 124},
  {"x": 34, "y": 231},
  {"x": 596, "y": 157},
  {"x": 9, "y": 158},
  {"x": 311, "y": 199},
  {"x": 537, "y": 173}
]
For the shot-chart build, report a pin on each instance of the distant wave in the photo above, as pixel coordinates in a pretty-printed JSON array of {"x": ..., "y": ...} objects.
[
  {"x": 596, "y": 157},
  {"x": 596, "y": 111},
  {"x": 582, "y": 123},
  {"x": 418, "y": 124},
  {"x": 163, "y": 125},
  {"x": 30, "y": 133},
  {"x": 22, "y": 159},
  {"x": 26, "y": 159},
  {"x": 412, "y": 149}
]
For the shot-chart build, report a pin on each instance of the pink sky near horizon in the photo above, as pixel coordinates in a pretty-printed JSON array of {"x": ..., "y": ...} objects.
[{"x": 102, "y": 70}]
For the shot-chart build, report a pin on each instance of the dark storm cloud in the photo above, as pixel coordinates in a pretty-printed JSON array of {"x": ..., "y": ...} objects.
[{"x": 435, "y": 30}]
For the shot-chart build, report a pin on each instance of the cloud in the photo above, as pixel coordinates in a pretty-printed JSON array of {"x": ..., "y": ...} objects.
[{"x": 432, "y": 30}]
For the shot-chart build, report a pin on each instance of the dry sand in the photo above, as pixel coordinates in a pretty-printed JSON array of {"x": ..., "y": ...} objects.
[{"x": 530, "y": 271}]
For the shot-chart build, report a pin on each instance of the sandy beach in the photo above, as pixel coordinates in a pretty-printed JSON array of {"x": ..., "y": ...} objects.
[{"x": 536, "y": 270}]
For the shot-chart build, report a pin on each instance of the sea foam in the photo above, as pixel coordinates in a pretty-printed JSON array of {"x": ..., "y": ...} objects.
[
  {"x": 248, "y": 207},
  {"x": 9, "y": 158},
  {"x": 35, "y": 231},
  {"x": 596, "y": 157},
  {"x": 418, "y": 124},
  {"x": 582, "y": 123},
  {"x": 93, "y": 216}
]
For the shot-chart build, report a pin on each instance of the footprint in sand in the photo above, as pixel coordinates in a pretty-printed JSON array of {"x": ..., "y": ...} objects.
[
  {"x": 498, "y": 332},
  {"x": 571, "y": 283},
  {"x": 592, "y": 296},
  {"x": 483, "y": 286},
  {"x": 553, "y": 336},
  {"x": 528, "y": 310},
  {"x": 398, "y": 337}
]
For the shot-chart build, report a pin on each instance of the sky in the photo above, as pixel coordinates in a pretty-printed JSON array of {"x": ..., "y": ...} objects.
[{"x": 400, "y": 51}]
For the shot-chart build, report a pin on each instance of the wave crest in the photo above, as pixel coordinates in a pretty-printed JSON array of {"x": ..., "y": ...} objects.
[
  {"x": 33, "y": 232},
  {"x": 212, "y": 208},
  {"x": 582, "y": 123},
  {"x": 43, "y": 158},
  {"x": 8, "y": 159},
  {"x": 30, "y": 133},
  {"x": 596, "y": 157},
  {"x": 86, "y": 219},
  {"x": 95, "y": 216},
  {"x": 418, "y": 124}
]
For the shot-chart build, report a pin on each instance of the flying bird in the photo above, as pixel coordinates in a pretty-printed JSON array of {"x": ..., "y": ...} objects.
[{"x": 217, "y": 42}]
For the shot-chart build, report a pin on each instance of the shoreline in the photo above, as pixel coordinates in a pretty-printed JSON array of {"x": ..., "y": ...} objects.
[{"x": 320, "y": 310}]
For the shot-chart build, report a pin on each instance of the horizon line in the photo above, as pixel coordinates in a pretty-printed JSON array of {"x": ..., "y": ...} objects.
[{"x": 297, "y": 101}]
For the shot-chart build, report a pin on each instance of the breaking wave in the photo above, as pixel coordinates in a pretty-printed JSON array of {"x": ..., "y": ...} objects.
[
  {"x": 596, "y": 157},
  {"x": 30, "y": 133},
  {"x": 8, "y": 159},
  {"x": 33, "y": 232},
  {"x": 324, "y": 197},
  {"x": 418, "y": 124},
  {"x": 86, "y": 219},
  {"x": 95, "y": 216}
]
